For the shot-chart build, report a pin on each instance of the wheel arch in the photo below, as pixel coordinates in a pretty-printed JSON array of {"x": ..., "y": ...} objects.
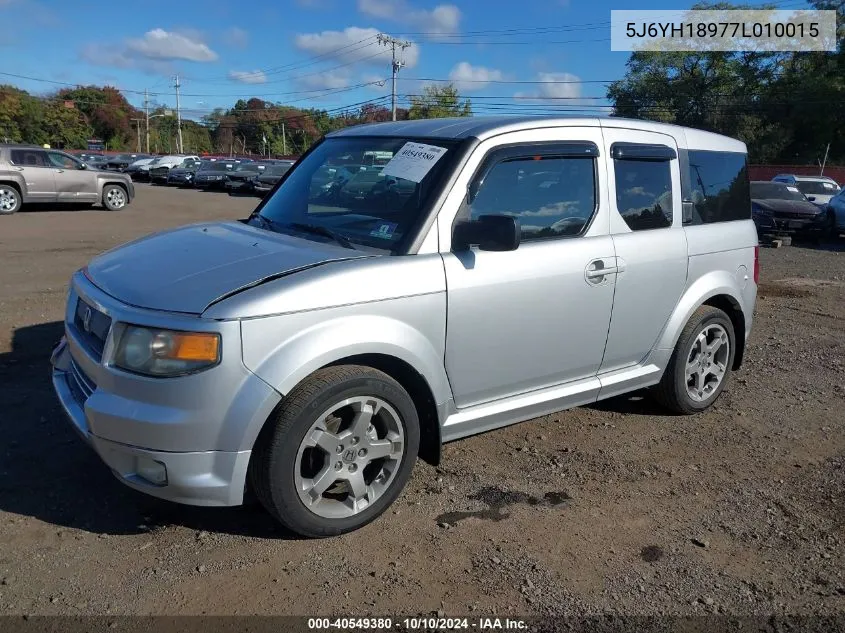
[
  {"x": 394, "y": 347},
  {"x": 15, "y": 185},
  {"x": 720, "y": 290}
]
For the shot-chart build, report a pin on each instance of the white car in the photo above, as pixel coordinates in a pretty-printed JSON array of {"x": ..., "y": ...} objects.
[{"x": 818, "y": 189}]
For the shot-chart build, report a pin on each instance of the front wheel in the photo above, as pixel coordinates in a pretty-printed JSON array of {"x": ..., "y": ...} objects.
[
  {"x": 337, "y": 452},
  {"x": 114, "y": 197},
  {"x": 699, "y": 367}
]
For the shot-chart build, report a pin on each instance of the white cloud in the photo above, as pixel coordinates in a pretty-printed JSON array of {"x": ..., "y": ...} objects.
[
  {"x": 325, "y": 81},
  {"x": 236, "y": 37},
  {"x": 349, "y": 46},
  {"x": 442, "y": 20},
  {"x": 248, "y": 76},
  {"x": 161, "y": 44},
  {"x": 560, "y": 87},
  {"x": 467, "y": 77}
]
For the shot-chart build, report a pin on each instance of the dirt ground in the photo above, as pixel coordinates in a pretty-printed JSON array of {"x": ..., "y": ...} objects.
[{"x": 613, "y": 508}]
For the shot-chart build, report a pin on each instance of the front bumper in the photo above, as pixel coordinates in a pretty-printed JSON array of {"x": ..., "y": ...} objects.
[
  {"x": 794, "y": 226},
  {"x": 142, "y": 429},
  {"x": 209, "y": 184}
]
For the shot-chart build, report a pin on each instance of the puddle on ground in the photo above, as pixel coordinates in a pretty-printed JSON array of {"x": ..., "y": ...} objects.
[{"x": 497, "y": 500}]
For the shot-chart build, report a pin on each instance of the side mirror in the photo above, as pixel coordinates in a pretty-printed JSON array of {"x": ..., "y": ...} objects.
[
  {"x": 489, "y": 233},
  {"x": 83, "y": 166},
  {"x": 811, "y": 198}
]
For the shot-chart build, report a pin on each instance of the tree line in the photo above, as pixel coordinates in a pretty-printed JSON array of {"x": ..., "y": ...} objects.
[
  {"x": 70, "y": 117},
  {"x": 787, "y": 107}
]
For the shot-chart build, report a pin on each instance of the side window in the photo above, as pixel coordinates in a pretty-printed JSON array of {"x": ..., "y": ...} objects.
[
  {"x": 29, "y": 158},
  {"x": 551, "y": 196},
  {"x": 644, "y": 193},
  {"x": 719, "y": 187},
  {"x": 61, "y": 161}
]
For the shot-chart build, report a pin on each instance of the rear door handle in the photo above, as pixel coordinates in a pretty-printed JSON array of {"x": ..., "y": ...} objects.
[{"x": 598, "y": 269}]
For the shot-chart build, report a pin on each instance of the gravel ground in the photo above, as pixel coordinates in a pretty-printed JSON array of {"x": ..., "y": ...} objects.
[{"x": 613, "y": 508}]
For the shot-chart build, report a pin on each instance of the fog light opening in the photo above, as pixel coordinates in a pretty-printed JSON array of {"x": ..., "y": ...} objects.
[{"x": 151, "y": 471}]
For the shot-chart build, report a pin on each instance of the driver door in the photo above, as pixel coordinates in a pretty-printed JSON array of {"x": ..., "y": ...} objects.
[
  {"x": 536, "y": 316},
  {"x": 73, "y": 182}
]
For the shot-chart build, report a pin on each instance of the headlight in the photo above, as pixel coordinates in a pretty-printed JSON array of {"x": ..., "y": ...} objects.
[{"x": 154, "y": 352}]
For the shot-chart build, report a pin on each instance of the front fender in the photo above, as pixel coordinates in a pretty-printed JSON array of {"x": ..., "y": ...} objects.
[
  {"x": 709, "y": 285},
  {"x": 283, "y": 350}
]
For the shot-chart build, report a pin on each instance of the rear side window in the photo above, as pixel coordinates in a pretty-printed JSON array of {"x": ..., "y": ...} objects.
[
  {"x": 719, "y": 187},
  {"x": 551, "y": 196},
  {"x": 28, "y": 158},
  {"x": 644, "y": 193}
]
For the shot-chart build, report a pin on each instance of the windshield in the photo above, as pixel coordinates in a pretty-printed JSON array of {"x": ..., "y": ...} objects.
[
  {"x": 812, "y": 187},
  {"x": 775, "y": 191},
  {"x": 336, "y": 187},
  {"x": 276, "y": 170},
  {"x": 187, "y": 164},
  {"x": 248, "y": 167}
]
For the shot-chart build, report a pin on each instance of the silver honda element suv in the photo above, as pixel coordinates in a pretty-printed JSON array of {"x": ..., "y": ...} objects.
[{"x": 408, "y": 284}]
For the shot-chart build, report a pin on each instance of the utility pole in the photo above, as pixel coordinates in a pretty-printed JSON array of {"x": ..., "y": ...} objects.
[
  {"x": 147, "y": 117},
  {"x": 827, "y": 149},
  {"x": 138, "y": 123},
  {"x": 392, "y": 42},
  {"x": 284, "y": 141},
  {"x": 178, "y": 118}
]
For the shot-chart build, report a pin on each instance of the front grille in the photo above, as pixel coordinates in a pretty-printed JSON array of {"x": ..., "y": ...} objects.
[
  {"x": 783, "y": 215},
  {"x": 94, "y": 333},
  {"x": 80, "y": 384}
]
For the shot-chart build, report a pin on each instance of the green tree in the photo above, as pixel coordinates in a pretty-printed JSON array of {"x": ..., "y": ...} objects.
[{"x": 437, "y": 102}]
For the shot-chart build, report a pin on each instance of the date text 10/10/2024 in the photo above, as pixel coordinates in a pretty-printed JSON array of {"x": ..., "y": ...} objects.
[{"x": 417, "y": 623}]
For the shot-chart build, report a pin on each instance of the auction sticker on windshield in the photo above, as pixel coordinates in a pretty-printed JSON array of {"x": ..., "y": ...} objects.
[{"x": 413, "y": 161}]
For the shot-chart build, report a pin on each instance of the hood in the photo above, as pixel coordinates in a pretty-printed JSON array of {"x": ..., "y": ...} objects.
[
  {"x": 787, "y": 206},
  {"x": 189, "y": 268},
  {"x": 182, "y": 170}
]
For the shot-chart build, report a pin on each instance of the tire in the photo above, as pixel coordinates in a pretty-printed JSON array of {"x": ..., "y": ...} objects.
[
  {"x": 10, "y": 199},
  {"x": 674, "y": 391},
  {"x": 303, "y": 475},
  {"x": 115, "y": 197}
]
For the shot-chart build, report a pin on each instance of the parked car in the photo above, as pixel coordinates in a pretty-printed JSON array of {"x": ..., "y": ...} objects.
[
  {"x": 96, "y": 162},
  {"x": 135, "y": 168},
  {"x": 162, "y": 167},
  {"x": 143, "y": 171},
  {"x": 778, "y": 207},
  {"x": 212, "y": 174},
  {"x": 818, "y": 189},
  {"x": 122, "y": 161},
  {"x": 183, "y": 174},
  {"x": 311, "y": 352},
  {"x": 267, "y": 179},
  {"x": 32, "y": 174},
  {"x": 241, "y": 179},
  {"x": 837, "y": 207}
]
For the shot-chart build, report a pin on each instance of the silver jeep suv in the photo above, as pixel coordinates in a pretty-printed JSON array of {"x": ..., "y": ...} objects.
[
  {"x": 33, "y": 174},
  {"x": 488, "y": 271}
]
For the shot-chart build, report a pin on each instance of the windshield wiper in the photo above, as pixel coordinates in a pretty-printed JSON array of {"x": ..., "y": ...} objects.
[{"x": 316, "y": 229}]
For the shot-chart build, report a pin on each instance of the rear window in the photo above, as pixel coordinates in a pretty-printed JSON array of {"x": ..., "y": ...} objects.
[
  {"x": 719, "y": 187},
  {"x": 813, "y": 187}
]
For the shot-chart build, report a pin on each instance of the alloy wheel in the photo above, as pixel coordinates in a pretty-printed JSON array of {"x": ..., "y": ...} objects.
[
  {"x": 349, "y": 457},
  {"x": 707, "y": 362}
]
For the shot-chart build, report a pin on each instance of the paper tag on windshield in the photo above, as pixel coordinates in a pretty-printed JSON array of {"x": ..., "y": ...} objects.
[
  {"x": 793, "y": 189},
  {"x": 413, "y": 161}
]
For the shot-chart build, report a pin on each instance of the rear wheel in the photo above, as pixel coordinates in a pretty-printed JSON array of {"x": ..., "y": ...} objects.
[
  {"x": 114, "y": 197},
  {"x": 338, "y": 451},
  {"x": 10, "y": 200},
  {"x": 699, "y": 367}
]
